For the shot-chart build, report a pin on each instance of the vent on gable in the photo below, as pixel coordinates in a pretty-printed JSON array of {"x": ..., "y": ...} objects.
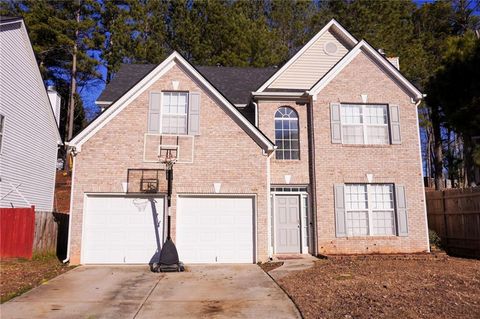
[{"x": 330, "y": 48}]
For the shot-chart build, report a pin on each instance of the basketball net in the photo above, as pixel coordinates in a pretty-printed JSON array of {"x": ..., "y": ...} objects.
[{"x": 168, "y": 160}]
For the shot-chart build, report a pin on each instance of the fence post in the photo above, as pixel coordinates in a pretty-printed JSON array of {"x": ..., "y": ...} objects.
[{"x": 444, "y": 210}]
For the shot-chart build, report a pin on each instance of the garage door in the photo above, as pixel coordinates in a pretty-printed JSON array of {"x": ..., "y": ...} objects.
[
  {"x": 116, "y": 231},
  {"x": 215, "y": 230}
]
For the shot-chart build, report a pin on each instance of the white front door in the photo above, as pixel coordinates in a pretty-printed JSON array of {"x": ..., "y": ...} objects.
[
  {"x": 287, "y": 224},
  {"x": 117, "y": 231},
  {"x": 215, "y": 230}
]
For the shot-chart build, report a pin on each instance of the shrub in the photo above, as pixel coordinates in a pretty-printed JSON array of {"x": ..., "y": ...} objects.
[{"x": 435, "y": 240}]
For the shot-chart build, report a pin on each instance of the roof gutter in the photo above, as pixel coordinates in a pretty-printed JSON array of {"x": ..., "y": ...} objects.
[{"x": 297, "y": 95}]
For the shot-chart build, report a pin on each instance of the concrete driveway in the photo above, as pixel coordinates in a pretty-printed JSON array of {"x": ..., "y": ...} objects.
[{"x": 203, "y": 291}]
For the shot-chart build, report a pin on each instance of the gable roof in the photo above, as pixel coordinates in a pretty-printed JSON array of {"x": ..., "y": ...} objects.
[
  {"x": 365, "y": 47},
  {"x": 151, "y": 77},
  {"x": 236, "y": 83},
  {"x": 334, "y": 26},
  {"x": 9, "y": 23}
]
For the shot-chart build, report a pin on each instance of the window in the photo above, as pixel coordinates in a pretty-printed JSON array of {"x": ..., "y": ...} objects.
[
  {"x": 2, "y": 125},
  {"x": 364, "y": 124},
  {"x": 174, "y": 113},
  {"x": 286, "y": 134},
  {"x": 369, "y": 209}
]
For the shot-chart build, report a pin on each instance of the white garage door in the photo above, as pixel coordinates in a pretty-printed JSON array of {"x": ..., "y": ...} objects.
[
  {"x": 215, "y": 230},
  {"x": 116, "y": 231}
]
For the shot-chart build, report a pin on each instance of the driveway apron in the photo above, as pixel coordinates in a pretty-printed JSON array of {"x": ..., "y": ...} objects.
[{"x": 203, "y": 291}]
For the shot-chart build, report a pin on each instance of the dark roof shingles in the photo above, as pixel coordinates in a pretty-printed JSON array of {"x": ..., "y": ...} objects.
[{"x": 235, "y": 83}]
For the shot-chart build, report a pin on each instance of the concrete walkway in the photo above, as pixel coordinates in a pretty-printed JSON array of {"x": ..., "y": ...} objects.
[
  {"x": 204, "y": 291},
  {"x": 298, "y": 262}
]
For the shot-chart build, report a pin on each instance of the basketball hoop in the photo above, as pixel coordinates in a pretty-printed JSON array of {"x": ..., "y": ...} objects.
[
  {"x": 140, "y": 204},
  {"x": 168, "y": 158}
]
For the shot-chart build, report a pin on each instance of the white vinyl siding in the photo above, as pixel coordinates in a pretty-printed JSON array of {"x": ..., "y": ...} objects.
[
  {"x": 311, "y": 65},
  {"x": 174, "y": 113},
  {"x": 369, "y": 210},
  {"x": 364, "y": 124},
  {"x": 29, "y": 145}
]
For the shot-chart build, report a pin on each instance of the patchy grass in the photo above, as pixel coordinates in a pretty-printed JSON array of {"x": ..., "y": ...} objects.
[
  {"x": 387, "y": 288},
  {"x": 18, "y": 276}
]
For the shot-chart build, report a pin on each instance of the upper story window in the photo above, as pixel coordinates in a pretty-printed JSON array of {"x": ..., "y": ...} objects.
[
  {"x": 286, "y": 134},
  {"x": 2, "y": 125},
  {"x": 364, "y": 124},
  {"x": 174, "y": 112}
]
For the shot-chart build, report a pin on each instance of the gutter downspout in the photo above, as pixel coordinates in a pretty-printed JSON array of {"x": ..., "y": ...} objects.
[
  {"x": 313, "y": 180},
  {"x": 269, "y": 207},
  {"x": 417, "y": 103},
  {"x": 70, "y": 215}
]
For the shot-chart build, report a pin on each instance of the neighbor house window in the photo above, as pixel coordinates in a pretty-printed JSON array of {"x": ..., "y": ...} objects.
[
  {"x": 174, "y": 119},
  {"x": 370, "y": 209},
  {"x": 364, "y": 124},
  {"x": 2, "y": 125},
  {"x": 286, "y": 134}
]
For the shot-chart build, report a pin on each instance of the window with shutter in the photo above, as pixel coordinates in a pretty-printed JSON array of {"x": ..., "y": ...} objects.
[
  {"x": 370, "y": 210},
  {"x": 364, "y": 124},
  {"x": 174, "y": 112}
]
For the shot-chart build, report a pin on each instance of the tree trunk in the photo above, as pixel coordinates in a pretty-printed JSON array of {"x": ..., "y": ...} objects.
[
  {"x": 73, "y": 87},
  {"x": 73, "y": 90},
  {"x": 437, "y": 149},
  {"x": 468, "y": 160}
]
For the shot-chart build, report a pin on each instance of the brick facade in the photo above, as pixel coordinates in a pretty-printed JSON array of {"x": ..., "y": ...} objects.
[
  {"x": 339, "y": 164},
  {"x": 223, "y": 153}
]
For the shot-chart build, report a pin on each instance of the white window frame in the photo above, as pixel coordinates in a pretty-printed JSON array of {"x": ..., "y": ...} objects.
[
  {"x": 2, "y": 131},
  {"x": 370, "y": 209},
  {"x": 365, "y": 125},
  {"x": 290, "y": 119},
  {"x": 174, "y": 114}
]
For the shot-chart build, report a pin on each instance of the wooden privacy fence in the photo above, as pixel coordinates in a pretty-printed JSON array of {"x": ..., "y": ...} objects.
[
  {"x": 454, "y": 214},
  {"x": 17, "y": 227},
  {"x": 45, "y": 240},
  {"x": 24, "y": 232}
]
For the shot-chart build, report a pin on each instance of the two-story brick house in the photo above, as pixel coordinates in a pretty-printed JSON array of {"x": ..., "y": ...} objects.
[{"x": 320, "y": 156}]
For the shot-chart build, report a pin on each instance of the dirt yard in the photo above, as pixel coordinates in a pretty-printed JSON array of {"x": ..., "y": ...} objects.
[
  {"x": 19, "y": 275},
  {"x": 387, "y": 288}
]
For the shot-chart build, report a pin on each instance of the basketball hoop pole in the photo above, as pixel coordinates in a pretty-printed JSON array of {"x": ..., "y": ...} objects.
[
  {"x": 169, "y": 160},
  {"x": 169, "y": 176}
]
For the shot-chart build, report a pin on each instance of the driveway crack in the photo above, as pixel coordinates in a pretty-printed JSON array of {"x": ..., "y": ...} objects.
[{"x": 146, "y": 298}]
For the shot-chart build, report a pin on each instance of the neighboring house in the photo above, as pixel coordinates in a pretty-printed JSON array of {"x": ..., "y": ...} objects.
[
  {"x": 328, "y": 161},
  {"x": 29, "y": 136}
]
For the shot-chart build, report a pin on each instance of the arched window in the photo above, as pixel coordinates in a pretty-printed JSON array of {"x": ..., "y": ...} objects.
[{"x": 286, "y": 134}]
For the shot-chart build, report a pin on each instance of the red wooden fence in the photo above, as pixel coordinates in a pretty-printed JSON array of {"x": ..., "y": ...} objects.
[{"x": 17, "y": 226}]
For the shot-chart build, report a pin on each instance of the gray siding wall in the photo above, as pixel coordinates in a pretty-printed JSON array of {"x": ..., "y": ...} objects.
[
  {"x": 312, "y": 65},
  {"x": 29, "y": 148}
]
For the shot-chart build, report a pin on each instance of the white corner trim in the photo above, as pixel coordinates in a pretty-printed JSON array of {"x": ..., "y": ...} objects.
[
  {"x": 363, "y": 46},
  {"x": 327, "y": 27},
  {"x": 141, "y": 86}
]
